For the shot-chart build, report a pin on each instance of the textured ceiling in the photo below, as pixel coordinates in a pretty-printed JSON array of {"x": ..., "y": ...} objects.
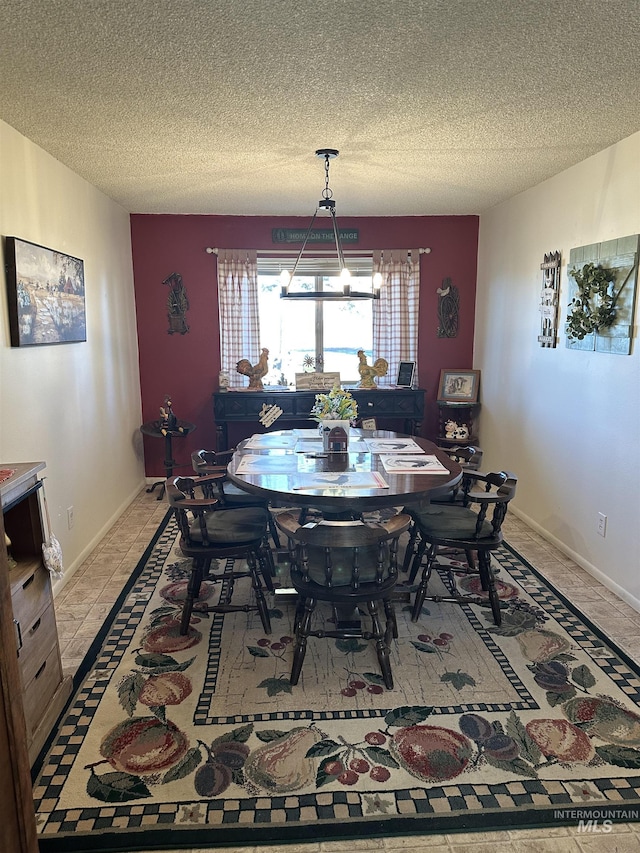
[{"x": 436, "y": 106}]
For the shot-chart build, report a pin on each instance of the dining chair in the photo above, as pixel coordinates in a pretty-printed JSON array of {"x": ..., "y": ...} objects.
[
  {"x": 211, "y": 532},
  {"x": 469, "y": 458},
  {"x": 477, "y": 532},
  {"x": 352, "y": 566},
  {"x": 211, "y": 463}
]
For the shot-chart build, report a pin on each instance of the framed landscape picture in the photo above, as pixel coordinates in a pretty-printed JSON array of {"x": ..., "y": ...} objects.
[
  {"x": 459, "y": 386},
  {"x": 45, "y": 291}
]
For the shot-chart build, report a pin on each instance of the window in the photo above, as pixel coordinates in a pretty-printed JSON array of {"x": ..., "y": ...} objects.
[{"x": 313, "y": 335}]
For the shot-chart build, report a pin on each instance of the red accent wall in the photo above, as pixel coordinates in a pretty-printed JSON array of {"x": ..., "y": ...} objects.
[{"x": 186, "y": 366}]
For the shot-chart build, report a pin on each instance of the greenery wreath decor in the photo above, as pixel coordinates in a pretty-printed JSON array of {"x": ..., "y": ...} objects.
[{"x": 594, "y": 306}]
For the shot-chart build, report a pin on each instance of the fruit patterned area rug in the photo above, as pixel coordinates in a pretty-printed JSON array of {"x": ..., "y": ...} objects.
[{"x": 200, "y": 740}]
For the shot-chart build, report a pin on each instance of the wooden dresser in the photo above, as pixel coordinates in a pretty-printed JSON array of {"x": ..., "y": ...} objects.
[{"x": 44, "y": 688}]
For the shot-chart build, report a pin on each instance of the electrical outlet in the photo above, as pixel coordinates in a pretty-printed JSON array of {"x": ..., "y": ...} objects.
[
  {"x": 602, "y": 524},
  {"x": 70, "y": 517}
]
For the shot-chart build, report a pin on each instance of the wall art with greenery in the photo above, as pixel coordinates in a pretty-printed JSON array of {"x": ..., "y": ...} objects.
[{"x": 602, "y": 281}]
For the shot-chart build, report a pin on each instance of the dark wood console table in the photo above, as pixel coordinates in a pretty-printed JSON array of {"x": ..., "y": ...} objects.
[{"x": 406, "y": 404}]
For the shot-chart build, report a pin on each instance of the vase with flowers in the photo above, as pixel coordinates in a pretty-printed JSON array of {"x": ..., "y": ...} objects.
[{"x": 335, "y": 409}]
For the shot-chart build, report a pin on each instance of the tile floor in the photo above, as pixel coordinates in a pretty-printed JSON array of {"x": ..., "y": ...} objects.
[{"x": 87, "y": 598}]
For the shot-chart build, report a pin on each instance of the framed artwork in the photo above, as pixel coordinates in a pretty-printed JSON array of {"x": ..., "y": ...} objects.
[
  {"x": 406, "y": 371},
  {"x": 45, "y": 291},
  {"x": 459, "y": 386}
]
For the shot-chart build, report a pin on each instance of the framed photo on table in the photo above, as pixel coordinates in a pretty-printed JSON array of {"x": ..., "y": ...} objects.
[
  {"x": 406, "y": 372},
  {"x": 459, "y": 386},
  {"x": 45, "y": 292}
]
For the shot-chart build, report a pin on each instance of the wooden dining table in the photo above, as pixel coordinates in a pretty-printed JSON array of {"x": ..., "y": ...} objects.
[
  {"x": 284, "y": 467},
  {"x": 289, "y": 467}
]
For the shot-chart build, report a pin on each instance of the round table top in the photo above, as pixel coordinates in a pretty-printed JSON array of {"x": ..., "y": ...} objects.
[{"x": 283, "y": 473}]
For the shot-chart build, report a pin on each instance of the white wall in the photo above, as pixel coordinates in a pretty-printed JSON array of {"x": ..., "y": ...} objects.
[
  {"x": 567, "y": 422},
  {"x": 75, "y": 406}
]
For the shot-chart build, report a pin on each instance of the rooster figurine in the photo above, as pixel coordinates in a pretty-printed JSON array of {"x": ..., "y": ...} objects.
[
  {"x": 255, "y": 372},
  {"x": 369, "y": 372}
]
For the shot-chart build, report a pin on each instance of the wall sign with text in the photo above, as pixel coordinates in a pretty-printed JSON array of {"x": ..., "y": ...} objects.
[{"x": 297, "y": 235}]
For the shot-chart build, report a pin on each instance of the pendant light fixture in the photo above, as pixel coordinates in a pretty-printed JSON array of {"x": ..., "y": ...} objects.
[{"x": 327, "y": 203}]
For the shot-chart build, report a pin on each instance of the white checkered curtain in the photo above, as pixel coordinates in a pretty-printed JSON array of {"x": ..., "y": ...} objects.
[
  {"x": 395, "y": 314},
  {"x": 238, "y": 306}
]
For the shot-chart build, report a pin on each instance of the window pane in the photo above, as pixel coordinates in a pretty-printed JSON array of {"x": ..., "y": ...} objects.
[
  {"x": 289, "y": 330},
  {"x": 348, "y": 327}
]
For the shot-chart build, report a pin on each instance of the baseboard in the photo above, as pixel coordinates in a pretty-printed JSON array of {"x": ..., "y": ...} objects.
[
  {"x": 60, "y": 583},
  {"x": 606, "y": 581}
]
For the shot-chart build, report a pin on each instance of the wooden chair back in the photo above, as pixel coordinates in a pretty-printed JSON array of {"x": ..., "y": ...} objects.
[
  {"x": 355, "y": 557},
  {"x": 495, "y": 491},
  {"x": 188, "y": 508}
]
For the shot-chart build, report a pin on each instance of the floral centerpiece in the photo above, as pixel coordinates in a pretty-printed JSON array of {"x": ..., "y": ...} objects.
[
  {"x": 337, "y": 405},
  {"x": 335, "y": 409}
]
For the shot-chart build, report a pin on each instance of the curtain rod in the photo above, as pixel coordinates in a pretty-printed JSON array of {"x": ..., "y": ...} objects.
[{"x": 214, "y": 251}]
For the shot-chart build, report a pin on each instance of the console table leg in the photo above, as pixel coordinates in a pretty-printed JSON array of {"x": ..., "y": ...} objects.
[{"x": 221, "y": 437}]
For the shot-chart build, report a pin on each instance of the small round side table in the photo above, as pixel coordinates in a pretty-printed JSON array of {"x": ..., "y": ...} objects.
[{"x": 157, "y": 429}]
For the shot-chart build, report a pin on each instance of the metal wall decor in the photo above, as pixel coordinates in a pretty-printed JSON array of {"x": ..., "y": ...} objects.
[
  {"x": 448, "y": 306},
  {"x": 177, "y": 304},
  {"x": 549, "y": 300}
]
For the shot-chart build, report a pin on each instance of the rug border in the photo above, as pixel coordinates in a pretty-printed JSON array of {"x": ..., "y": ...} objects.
[
  {"x": 96, "y": 644},
  {"x": 634, "y": 666},
  {"x": 169, "y": 838},
  {"x": 125, "y": 841}
]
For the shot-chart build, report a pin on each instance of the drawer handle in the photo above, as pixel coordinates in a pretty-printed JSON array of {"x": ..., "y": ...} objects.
[
  {"x": 41, "y": 670},
  {"x": 18, "y": 634},
  {"x": 35, "y": 626},
  {"x": 28, "y": 581}
]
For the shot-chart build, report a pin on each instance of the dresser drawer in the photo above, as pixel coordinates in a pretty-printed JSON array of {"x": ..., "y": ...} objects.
[
  {"x": 40, "y": 689},
  {"x": 30, "y": 594},
  {"x": 37, "y": 641}
]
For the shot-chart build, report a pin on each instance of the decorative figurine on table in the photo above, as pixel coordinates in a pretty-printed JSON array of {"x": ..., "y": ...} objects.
[
  {"x": 337, "y": 440},
  {"x": 255, "y": 372},
  {"x": 369, "y": 372},
  {"x": 168, "y": 421},
  {"x": 454, "y": 430}
]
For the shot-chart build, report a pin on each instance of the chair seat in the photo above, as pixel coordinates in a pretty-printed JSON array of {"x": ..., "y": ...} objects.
[
  {"x": 454, "y": 526},
  {"x": 231, "y": 527},
  {"x": 451, "y": 522},
  {"x": 234, "y": 494}
]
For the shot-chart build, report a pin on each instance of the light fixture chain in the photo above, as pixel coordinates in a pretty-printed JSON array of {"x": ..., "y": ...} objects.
[{"x": 327, "y": 192}]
